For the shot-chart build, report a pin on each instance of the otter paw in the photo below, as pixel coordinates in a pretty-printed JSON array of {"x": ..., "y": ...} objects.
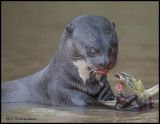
[{"x": 129, "y": 102}]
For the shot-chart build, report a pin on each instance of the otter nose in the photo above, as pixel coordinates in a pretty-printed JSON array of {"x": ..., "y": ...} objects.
[{"x": 103, "y": 64}]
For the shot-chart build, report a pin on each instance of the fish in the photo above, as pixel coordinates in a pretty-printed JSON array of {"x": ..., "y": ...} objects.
[{"x": 128, "y": 85}]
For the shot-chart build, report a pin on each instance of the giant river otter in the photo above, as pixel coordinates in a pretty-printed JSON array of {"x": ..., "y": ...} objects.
[{"x": 88, "y": 48}]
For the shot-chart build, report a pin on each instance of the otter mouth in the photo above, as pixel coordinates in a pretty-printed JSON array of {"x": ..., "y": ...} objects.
[{"x": 101, "y": 72}]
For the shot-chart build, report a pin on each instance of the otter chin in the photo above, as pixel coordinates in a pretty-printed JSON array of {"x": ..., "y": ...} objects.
[{"x": 89, "y": 41}]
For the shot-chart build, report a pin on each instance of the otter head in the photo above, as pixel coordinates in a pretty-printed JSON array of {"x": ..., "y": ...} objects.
[{"x": 94, "y": 44}]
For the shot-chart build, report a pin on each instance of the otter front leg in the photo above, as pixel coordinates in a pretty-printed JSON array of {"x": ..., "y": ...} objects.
[
  {"x": 106, "y": 93},
  {"x": 131, "y": 103},
  {"x": 93, "y": 85},
  {"x": 83, "y": 99}
]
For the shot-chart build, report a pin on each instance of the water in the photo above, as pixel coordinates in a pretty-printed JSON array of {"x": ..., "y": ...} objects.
[
  {"x": 21, "y": 112},
  {"x": 30, "y": 36}
]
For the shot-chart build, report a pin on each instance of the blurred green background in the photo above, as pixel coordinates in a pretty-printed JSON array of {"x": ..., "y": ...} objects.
[{"x": 31, "y": 33}]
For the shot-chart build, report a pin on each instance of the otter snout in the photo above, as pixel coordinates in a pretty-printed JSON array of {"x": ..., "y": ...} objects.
[{"x": 103, "y": 64}]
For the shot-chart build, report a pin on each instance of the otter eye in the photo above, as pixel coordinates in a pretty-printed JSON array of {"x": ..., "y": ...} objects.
[{"x": 92, "y": 52}]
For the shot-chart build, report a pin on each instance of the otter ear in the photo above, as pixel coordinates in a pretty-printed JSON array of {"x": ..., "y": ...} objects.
[
  {"x": 69, "y": 29},
  {"x": 113, "y": 24}
]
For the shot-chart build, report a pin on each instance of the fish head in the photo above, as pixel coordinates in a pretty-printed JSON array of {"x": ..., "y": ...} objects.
[
  {"x": 123, "y": 78},
  {"x": 128, "y": 84}
]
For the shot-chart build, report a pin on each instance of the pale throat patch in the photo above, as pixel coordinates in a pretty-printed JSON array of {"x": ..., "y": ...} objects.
[{"x": 83, "y": 70}]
